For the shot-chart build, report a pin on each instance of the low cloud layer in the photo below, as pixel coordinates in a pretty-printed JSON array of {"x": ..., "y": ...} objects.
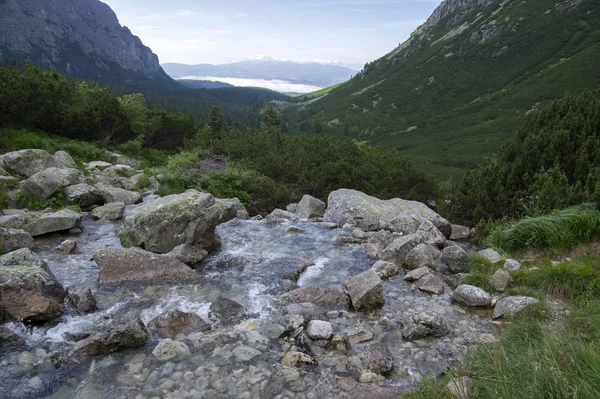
[{"x": 277, "y": 85}]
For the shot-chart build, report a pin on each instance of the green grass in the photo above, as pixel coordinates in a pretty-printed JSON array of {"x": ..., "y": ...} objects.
[
  {"x": 316, "y": 94},
  {"x": 14, "y": 140},
  {"x": 57, "y": 201},
  {"x": 559, "y": 231},
  {"x": 480, "y": 270}
]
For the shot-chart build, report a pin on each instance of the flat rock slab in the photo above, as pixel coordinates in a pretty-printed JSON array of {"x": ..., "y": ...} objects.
[
  {"x": 512, "y": 305},
  {"x": 12, "y": 239},
  {"x": 326, "y": 297},
  {"x": 28, "y": 162},
  {"x": 45, "y": 183},
  {"x": 134, "y": 264},
  {"x": 51, "y": 222},
  {"x": 366, "y": 291},
  {"x": 471, "y": 296}
]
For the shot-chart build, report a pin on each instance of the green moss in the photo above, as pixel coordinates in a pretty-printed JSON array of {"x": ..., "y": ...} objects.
[
  {"x": 142, "y": 182},
  {"x": 57, "y": 201},
  {"x": 126, "y": 238}
]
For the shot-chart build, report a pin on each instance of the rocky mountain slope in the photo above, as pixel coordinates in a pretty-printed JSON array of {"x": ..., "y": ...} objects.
[
  {"x": 464, "y": 81},
  {"x": 80, "y": 38}
]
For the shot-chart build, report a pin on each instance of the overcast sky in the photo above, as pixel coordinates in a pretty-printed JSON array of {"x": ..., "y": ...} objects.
[{"x": 348, "y": 32}]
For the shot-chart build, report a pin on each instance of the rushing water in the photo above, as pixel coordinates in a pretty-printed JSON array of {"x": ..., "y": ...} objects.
[{"x": 256, "y": 264}]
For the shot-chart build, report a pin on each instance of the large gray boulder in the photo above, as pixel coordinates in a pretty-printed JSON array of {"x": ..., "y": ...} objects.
[
  {"x": 64, "y": 160},
  {"x": 456, "y": 258},
  {"x": 28, "y": 289},
  {"x": 241, "y": 211},
  {"x": 122, "y": 264},
  {"x": 378, "y": 242},
  {"x": 115, "y": 194},
  {"x": 424, "y": 324},
  {"x": 430, "y": 284},
  {"x": 471, "y": 296},
  {"x": 112, "y": 211},
  {"x": 319, "y": 329},
  {"x": 56, "y": 221},
  {"x": 119, "y": 337},
  {"x": 45, "y": 183},
  {"x": 28, "y": 162},
  {"x": 372, "y": 214},
  {"x": 188, "y": 218},
  {"x": 460, "y": 233},
  {"x": 366, "y": 291},
  {"x": 512, "y": 305},
  {"x": 83, "y": 195},
  {"x": 12, "y": 239},
  {"x": 423, "y": 255},
  {"x": 310, "y": 207}
]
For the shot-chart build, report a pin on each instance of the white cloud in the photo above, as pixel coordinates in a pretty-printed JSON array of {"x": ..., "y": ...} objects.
[{"x": 277, "y": 85}]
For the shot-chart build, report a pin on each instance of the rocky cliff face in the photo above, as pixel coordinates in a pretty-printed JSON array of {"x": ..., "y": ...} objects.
[{"x": 81, "y": 38}]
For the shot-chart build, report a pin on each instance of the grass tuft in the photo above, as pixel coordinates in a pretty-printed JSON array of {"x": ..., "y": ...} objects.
[{"x": 560, "y": 231}]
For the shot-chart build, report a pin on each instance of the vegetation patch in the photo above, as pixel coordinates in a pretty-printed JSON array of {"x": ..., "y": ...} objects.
[{"x": 57, "y": 201}]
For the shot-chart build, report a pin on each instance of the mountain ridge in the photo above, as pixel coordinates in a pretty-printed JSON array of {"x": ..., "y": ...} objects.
[
  {"x": 82, "y": 38},
  {"x": 464, "y": 81}
]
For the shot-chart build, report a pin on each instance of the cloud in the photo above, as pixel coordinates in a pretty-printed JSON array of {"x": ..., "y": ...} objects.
[{"x": 275, "y": 84}]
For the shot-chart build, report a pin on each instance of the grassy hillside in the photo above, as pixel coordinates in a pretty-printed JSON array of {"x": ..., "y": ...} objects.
[{"x": 448, "y": 99}]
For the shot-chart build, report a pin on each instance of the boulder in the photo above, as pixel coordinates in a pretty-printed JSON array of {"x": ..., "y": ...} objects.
[
  {"x": 310, "y": 207},
  {"x": 121, "y": 264},
  {"x": 385, "y": 270},
  {"x": 277, "y": 214},
  {"x": 430, "y": 234},
  {"x": 398, "y": 250},
  {"x": 326, "y": 297},
  {"x": 424, "y": 324},
  {"x": 168, "y": 349},
  {"x": 490, "y": 254},
  {"x": 372, "y": 214},
  {"x": 83, "y": 195},
  {"x": 431, "y": 284},
  {"x": 188, "y": 218},
  {"x": 512, "y": 265},
  {"x": 28, "y": 289},
  {"x": 112, "y": 211},
  {"x": 188, "y": 254},
  {"x": 375, "y": 357},
  {"x": 66, "y": 247},
  {"x": 56, "y": 221},
  {"x": 378, "y": 242},
  {"x": 423, "y": 255},
  {"x": 226, "y": 311},
  {"x": 14, "y": 221},
  {"x": 119, "y": 337},
  {"x": 174, "y": 322},
  {"x": 64, "y": 160},
  {"x": 469, "y": 295},
  {"x": 100, "y": 165},
  {"x": 366, "y": 291},
  {"x": 236, "y": 204},
  {"x": 456, "y": 258},
  {"x": 319, "y": 329},
  {"x": 45, "y": 183},
  {"x": 295, "y": 359},
  {"x": 115, "y": 194},
  {"x": 12, "y": 239},
  {"x": 81, "y": 299},
  {"x": 118, "y": 159},
  {"x": 416, "y": 274},
  {"x": 512, "y": 305},
  {"x": 291, "y": 208},
  {"x": 500, "y": 280},
  {"x": 460, "y": 233},
  {"x": 28, "y": 162}
]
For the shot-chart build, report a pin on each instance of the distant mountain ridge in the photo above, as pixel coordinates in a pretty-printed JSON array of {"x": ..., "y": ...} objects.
[
  {"x": 303, "y": 73},
  {"x": 464, "y": 81},
  {"x": 80, "y": 38}
]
